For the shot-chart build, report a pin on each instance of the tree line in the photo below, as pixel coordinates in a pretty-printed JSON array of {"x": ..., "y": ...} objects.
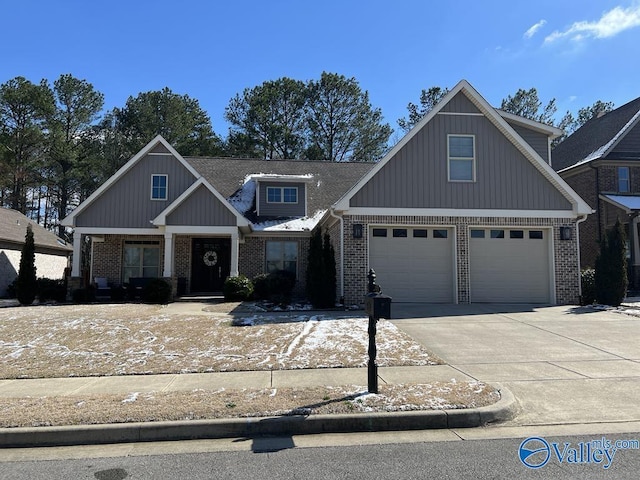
[{"x": 57, "y": 145}]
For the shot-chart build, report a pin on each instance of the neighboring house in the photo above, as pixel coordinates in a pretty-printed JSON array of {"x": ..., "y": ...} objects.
[
  {"x": 601, "y": 162},
  {"x": 52, "y": 253},
  {"x": 465, "y": 208}
]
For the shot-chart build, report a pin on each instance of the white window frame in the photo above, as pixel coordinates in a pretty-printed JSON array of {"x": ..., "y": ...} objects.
[
  {"x": 621, "y": 179},
  {"x": 469, "y": 159},
  {"x": 141, "y": 246},
  {"x": 166, "y": 186},
  {"x": 282, "y": 199}
]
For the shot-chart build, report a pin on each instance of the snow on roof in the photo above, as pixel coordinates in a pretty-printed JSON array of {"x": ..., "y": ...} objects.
[
  {"x": 278, "y": 176},
  {"x": 295, "y": 224},
  {"x": 242, "y": 200}
]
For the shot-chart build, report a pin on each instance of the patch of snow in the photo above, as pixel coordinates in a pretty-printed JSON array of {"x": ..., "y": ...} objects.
[
  {"x": 295, "y": 224},
  {"x": 273, "y": 392},
  {"x": 131, "y": 398},
  {"x": 242, "y": 200}
]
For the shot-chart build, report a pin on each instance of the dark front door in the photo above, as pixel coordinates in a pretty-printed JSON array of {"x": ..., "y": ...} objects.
[{"x": 210, "y": 264}]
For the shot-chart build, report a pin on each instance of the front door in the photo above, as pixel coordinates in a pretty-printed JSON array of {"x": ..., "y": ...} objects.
[{"x": 210, "y": 264}]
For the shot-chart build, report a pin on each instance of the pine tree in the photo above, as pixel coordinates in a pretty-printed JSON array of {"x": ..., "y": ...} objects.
[
  {"x": 26, "y": 284},
  {"x": 611, "y": 267}
]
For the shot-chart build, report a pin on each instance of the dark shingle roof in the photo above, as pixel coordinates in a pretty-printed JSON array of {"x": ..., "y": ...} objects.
[
  {"x": 588, "y": 141},
  {"x": 330, "y": 180},
  {"x": 13, "y": 228}
]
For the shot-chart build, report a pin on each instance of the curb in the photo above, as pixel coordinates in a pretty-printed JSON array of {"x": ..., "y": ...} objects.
[{"x": 504, "y": 409}]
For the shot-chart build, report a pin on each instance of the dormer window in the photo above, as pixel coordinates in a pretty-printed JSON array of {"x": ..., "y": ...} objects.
[
  {"x": 623, "y": 180},
  {"x": 159, "y": 187},
  {"x": 282, "y": 194}
]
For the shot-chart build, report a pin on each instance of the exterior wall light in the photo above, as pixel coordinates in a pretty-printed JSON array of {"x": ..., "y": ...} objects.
[
  {"x": 565, "y": 233},
  {"x": 357, "y": 230}
]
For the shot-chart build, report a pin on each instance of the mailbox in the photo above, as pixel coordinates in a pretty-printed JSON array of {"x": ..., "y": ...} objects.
[{"x": 378, "y": 305}]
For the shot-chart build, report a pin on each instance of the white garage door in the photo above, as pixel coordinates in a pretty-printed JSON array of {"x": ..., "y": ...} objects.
[
  {"x": 413, "y": 264},
  {"x": 510, "y": 265}
]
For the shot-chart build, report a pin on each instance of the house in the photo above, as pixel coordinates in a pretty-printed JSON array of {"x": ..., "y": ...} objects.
[
  {"x": 52, "y": 253},
  {"x": 601, "y": 162},
  {"x": 465, "y": 208}
]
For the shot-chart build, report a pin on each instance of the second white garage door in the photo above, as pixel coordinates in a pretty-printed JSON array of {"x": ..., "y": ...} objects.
[
  {"x": 413, "y": 264},
  {"x": 510, "y": 265}
]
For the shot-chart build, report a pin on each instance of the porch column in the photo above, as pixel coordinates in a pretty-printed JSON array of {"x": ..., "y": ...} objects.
[
  {"x": 235, "y": 247},
  {"x": 77, "y": 249},
  {"x": 168, "y": 255}
]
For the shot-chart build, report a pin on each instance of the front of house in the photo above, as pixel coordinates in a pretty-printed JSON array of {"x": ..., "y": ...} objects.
[{"x": 465, "y": 208}]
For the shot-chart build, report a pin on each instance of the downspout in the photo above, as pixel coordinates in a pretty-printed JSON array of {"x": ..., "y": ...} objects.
[{"x": 341, "y": 220}]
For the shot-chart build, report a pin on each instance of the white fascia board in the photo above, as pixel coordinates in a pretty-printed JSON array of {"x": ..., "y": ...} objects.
[
  {"x": 451, "y": 212},
  {"x": 200, "y": 230},
  {"x": 549, "y": 130},
  {"x": 579, "y": 205},
  {"x": 69, "y": 220},
  {"x": 269, "y": 177},
  {"x": 118, "y": 231},
  {"x": 278, "y": 234},
  {"x": 161, "y": 219}
]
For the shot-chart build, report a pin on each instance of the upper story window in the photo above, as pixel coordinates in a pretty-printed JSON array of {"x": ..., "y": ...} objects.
[
  {"x": 282, "y": 194},
  {"x": 623, "y": 180},
  {"x": 158, "y": 187},
  {"x": 461, "y": 158}
]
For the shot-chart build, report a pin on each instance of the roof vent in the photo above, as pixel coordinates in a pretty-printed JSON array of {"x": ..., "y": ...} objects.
[{"x": 18, "y": 222}]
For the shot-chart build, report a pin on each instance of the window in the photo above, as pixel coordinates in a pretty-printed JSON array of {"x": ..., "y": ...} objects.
[
  {"x": 440, "y": 234},
  {"x": 623, "y": 179},
  {"x": 379, "y": 232},
  {"x": 420, "y": 233},
  {"x": 516, "y": 234},
  {"x": 282, "y": 194},
  {"x": 400, "y": 232},
  {"x": 158, "y": 187},
  {"x": 461, "y": 161},
  {"x": 497, "y": 233},
  {"x": 141, "y": 259},
  {"x": 282, "y": 256},
  {"x": 477, "y": 233},
  {"x": 535, "y": 234}
]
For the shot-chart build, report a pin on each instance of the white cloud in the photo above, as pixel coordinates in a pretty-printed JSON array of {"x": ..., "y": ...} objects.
[
  {"x": 534, "y": 29},
  {"x": 610, "y": 24}
]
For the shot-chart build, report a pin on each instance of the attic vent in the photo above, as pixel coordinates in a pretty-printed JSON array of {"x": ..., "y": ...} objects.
[{"x": 18, "y": 222}]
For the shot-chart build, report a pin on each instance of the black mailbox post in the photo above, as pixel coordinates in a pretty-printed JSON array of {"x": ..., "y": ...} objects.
[{"x": 377, "y": 306}]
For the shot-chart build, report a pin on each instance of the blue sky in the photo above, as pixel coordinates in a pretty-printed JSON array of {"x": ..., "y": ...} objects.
[{"x": 576, "y": 51}]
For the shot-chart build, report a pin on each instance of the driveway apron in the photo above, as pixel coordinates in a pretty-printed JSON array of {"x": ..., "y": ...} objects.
[{"x": 564, "y": 364}]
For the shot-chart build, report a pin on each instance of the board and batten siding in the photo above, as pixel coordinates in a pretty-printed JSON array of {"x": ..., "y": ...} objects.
[
  {"x": 202, "y": 208},
  {"x": 416, "y": 177},
  {"x": 282, "y": 209},
  {"x": 629, "y": 144},
  {"x": 127, "y": 203},
  {"x": 460, "y": 104},
  {"x": 538, "y": 141}
]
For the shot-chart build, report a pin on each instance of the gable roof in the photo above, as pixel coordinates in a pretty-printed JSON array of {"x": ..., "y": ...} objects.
[
  {"x": 235, "y": 179},
  {"x": 496, "y": 118},
  {"x": 69, "y": 220},
  {"x": 13, "y": 228},
  {"x": 597, "y": 137}
]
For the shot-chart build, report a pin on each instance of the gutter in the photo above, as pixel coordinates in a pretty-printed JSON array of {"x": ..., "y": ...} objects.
[{"x": 341, "y": 220}]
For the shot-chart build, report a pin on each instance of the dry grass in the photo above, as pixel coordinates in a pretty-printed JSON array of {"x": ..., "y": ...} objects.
[
  {"x": 200, "y": 404},
  {"x": 124, "y": 339}
]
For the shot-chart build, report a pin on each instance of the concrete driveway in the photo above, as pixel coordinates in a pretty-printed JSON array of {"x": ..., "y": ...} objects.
[{"x": 564, "y": 364}]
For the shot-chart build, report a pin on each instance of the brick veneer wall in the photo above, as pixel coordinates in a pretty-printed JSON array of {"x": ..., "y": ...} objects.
[
  {"x": 252, "y": 258},
  {"x": 108, "y": 255},
  {"x": 567, "y": 275}
]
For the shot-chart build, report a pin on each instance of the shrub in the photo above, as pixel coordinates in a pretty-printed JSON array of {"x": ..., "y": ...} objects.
[
  {"x": 11, "y": 289},
  {"x": 26, "y": 285},
  {"x": 588, "y": 280},
  {"x": 611, "y": 267},
  {"x": 276, "y": 286},
  {"x": 49, "y": 289},
  {"x": 156, "y": 291},
  {"x": 237, "y": 288},
  {"x": 80, "y": 295}
]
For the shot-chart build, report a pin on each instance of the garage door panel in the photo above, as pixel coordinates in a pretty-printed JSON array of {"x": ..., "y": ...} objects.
[
  {"x": 513, "y": 270},
  {"x": 413, "y": 269}
]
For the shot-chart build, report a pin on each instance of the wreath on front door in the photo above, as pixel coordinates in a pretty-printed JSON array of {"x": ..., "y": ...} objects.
[{"x": 210, "y": 258}]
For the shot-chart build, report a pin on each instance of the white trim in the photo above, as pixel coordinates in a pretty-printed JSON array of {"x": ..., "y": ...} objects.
[
  {"x": 166, "y": 187},
  {"x": 119, "y": 231},
  {"x": 70, "y": 220},
  {"x": 169, "y": 255},
  {"x": 540, "y": 127},
  {"x": 77, "y": 251},
  {"x": 200, "y": 230},
  {"x": 471, "y": 159},
  {"x": 462, "y": 114},
  {"x": 452, "y": 212},
  {"x": 580, "y": 207},
  {"x": 161, "y": 219}
]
